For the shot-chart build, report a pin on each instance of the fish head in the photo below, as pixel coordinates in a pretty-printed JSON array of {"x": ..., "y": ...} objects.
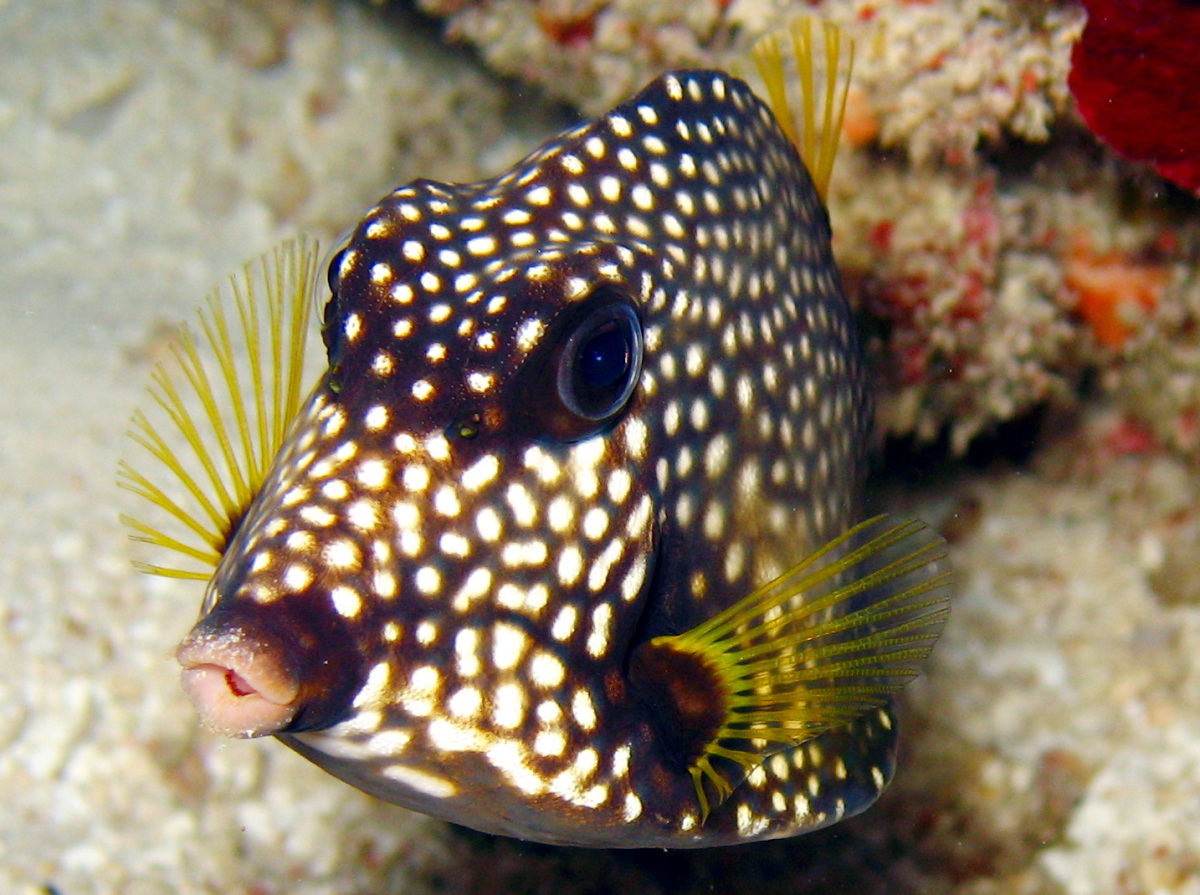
[{"x": 461, "y": 523}]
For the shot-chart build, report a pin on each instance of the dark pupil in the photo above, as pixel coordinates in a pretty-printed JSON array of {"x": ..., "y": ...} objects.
[{"x": 604, "y": 359}]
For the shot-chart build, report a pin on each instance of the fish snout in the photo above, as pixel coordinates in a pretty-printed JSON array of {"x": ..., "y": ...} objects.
[
  {"x": 252, "y": 670},
  {"x": 238, "y": 678}
]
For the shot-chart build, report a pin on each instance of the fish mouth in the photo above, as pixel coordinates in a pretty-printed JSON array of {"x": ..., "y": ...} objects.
[{"x": 237, "y": 683}]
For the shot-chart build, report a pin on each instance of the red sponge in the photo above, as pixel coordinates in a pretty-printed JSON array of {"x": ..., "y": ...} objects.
[{"x": 1135, "y": 74}]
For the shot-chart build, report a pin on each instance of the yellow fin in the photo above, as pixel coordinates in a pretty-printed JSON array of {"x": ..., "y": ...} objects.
[
  {"x": 220, "y": 408},
  {"x": 811, "y": 111},
  {"x": 821, "y": 645}
]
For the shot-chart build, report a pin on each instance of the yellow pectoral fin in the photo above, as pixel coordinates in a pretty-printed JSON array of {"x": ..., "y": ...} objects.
[
  {"x": 221, "y": 407},
  {"x": 829, "y": 640}
]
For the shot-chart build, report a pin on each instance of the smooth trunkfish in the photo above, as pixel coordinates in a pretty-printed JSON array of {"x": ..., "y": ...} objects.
[{"x": 565, "y": 542}]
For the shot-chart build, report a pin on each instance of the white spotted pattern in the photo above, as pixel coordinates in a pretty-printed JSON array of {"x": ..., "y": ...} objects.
[{"x": 495, "y": 555}]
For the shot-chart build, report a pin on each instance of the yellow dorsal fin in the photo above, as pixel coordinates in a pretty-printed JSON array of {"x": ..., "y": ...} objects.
[
  {"x": 220, "y": 408},
  {"x": 812, "y": 118},
  {"x": 823, "y": 644}
]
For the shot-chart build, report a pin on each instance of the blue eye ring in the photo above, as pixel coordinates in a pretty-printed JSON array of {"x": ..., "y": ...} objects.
[{"x": 601, "y": 361}]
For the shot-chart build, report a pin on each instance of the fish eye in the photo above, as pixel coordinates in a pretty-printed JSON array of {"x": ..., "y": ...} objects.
[{"x": 600, "y": 362}]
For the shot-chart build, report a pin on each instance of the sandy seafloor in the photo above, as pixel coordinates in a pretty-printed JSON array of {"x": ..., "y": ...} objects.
[{"x": 146, "y": 148}]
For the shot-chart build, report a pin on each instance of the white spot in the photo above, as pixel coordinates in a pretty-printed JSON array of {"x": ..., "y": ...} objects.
[
  {"x": 570, "y": 565},
  {"x": 745, "y": 819},
  {"x": 300, "y": 541},
  {"x": 619, "y": 483},
  {"x": 426, "y": 633},
  {"x": 481, "y": 472},
  {"x": 714, "y": 520},
  {"x": 545, "y": 670},
  {"x": 372, "y": 474},
  {"x": 564, "y": 623},
  {"x": 508, "y": 706},
  {"x": 631, "y": 584},
  {"x": 438, "y": 447},
  {"x": 549, "y": 742},
  {"x": 381, "y": 365},
  {"x": 522, "y": 504},
  {"x": 507, "y": 757},
  {"x": 341, "y": 554},
  {"x": 584, "y": 710},
  {"x": 510, "y": 596},
  {"x": 466, "y": 643},
  {"x": 481, "y": 245},
  {"x": 508, "y": 645},
  {"x": 487, "y": 523},
  {"x": 445, "y": 501},
  {"x": 384, "y": 585},
  {"x": 636, "y": 436},
  {"x": 479, "y": 382},
  {"x": 428, "y": 580},
  {"x": 610, "y": 188},
  {"x": 595, "y": 523},
  {"x": 524, "y": 553},
  {"x": 465, "y": 703},
  {"x": 560, "y": 514},
  {"x": 346, "y": 602},
  {"x": 415, "y": 478},
  {"x": 633, "y": 807},
  {"x": 453, "y": 544},
  {"x": 424, "y": 783},
  {"x": 578, "y": 195},
  {"x": 597, "y": 641},
  {"x": 529, "y": 333},
  {"x": 318, "y": 516},
  {"x": 297, "y": 577}
]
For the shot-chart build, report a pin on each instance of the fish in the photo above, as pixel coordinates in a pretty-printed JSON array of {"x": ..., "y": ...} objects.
[{"x": 567, "y": 541}]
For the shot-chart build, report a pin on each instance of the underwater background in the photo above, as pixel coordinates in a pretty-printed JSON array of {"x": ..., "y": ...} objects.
[{"x": 1031, "y": 303}]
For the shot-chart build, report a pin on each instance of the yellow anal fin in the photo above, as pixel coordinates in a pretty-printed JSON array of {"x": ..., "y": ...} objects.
[
  {"x": 809, "y": 106},
  {"x": 824, "y": 643},
  {"x": 220, "y": 407}
]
